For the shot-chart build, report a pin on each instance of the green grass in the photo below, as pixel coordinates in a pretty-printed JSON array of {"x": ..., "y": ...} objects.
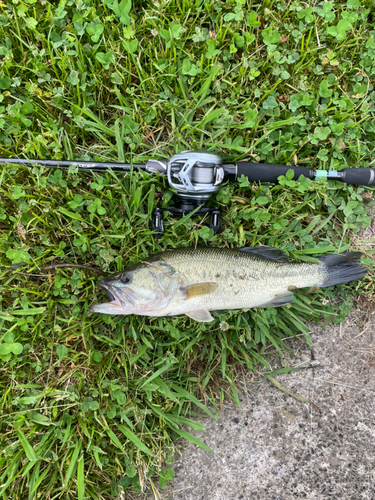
[{"x": 89, "y": 404}]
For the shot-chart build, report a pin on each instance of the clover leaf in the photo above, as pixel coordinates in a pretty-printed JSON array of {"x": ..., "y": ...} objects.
[
  {"x": 324, "y": 91},
  {"x": 306, "y": 14},
  {"x": 61, "y": 351},
  {"x": 326, "y": 12},
  {"x": 95, "y": 31},
  {"x": 9, "y": 347},
  {"x": 339, "y": 31},
  {"x": 165, "y": 477},
  {"x": 188, "y": 68},
  {"x": 105, "y": 58},
  {"x": 17, "y": 256},
  {"x": 122, "y": 10},
  {"x": 89, "y": 404},
  {"x": 96, "y": 206}
]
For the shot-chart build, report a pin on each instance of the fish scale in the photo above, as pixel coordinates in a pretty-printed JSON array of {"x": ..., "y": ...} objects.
[
  {"x": 195, "y": 281},
  {"x": 245, "y": 280}
]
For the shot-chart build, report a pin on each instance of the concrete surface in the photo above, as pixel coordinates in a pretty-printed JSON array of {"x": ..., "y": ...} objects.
[{"x": 278, "y": 448}]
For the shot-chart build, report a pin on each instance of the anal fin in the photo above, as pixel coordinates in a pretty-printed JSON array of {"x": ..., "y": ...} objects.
[
  {"x": 201, "y": 316},
  {"x": 281, "y": 299}
]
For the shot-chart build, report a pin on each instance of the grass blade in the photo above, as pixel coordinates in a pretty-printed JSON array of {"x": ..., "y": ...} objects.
[
  {"x": 30, "y": 453},
  {"x": 193, "y": 439},
  {"x": 134, "y": 439},
  {"x": 72, "y": 464},
  {"x": 193, "y": 424},
  {"x": 186, "y": 394},
  {"x": 116, "y": 440},
  {"x": 282, "y": 388},
  {"x": 34, "y": 311},
  {"x": 157, "y": 373},
  {"x": 33, "y": 490},
  {"x": 80, "y": 479}
]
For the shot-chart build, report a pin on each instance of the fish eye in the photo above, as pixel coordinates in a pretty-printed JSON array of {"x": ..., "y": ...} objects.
[{"x": 125, "y": 278}]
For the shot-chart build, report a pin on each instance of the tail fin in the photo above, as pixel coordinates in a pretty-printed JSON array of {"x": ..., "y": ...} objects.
[{"x": 342, "y": 268}]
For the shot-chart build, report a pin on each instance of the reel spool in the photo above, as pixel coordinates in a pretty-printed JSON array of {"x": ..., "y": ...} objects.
[{"x": 194, "y": 176}]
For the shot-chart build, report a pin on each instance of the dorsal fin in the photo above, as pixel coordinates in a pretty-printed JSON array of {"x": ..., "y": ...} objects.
[{"x": 269, "y": 253}]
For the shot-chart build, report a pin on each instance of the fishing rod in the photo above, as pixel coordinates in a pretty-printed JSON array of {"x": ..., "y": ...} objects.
[{"x": 195, "y": 176}]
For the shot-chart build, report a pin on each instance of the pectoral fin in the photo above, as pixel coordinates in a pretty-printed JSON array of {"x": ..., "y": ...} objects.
[
  {"x": 199, "y": 289},
  {"x": 281, "y": 299},
  {"x": 201, "y": 316}
]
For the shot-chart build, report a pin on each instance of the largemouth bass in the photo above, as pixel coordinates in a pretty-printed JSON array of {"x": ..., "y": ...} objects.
[{"x": 196, "y": 281}]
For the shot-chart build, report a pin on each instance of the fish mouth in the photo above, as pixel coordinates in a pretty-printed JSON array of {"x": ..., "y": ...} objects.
[
  {"x": 121, "y": 298},
  {"x": 119, "y": 301},
  {"x": 107, "y": 291}
]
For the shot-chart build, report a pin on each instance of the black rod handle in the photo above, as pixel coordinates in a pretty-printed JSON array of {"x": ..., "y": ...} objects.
[
  {"x": 358, "y": 176},
  {"x": 264, "y": 172}
]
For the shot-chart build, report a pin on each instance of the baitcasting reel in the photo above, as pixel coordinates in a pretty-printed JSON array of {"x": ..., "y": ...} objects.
[{"x": 193, "y": 176}]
